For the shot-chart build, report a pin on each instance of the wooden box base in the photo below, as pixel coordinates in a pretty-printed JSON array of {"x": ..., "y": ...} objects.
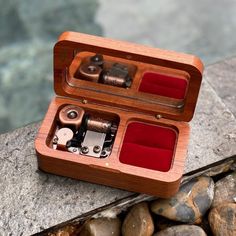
[{"x": 148, "y": 154}]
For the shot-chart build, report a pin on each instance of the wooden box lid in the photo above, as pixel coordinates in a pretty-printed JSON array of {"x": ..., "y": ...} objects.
[{"x": 67, "y": 56}]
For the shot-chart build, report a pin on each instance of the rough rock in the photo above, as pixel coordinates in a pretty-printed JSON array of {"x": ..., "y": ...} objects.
[
  {"x": 225, "y": 190},
  {"x": 138, "y": 221},
  {"x": 189, "y": 204},
  {"x": 101, "y": 226},
  {"x": 32, "y": 200},
  {"x": 66, "y": 231},
  {"x": 182, "y": 230},
  {"x": 162, "y": 223},
  {"x": 221, "y": 77},
  {"x": 222, "y": 219}
]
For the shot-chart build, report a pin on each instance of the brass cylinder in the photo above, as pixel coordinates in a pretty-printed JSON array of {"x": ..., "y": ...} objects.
[
  {"x": 90, "y": 72},
  {"x": 98, "y": 125},
  {"x": 71, "y": 115},
  {"x": 114, "y": 81}
]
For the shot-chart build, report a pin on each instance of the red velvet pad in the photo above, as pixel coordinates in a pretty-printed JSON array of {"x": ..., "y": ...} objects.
[
  {"x": 163, "y": 85},
  {"x": 148, "y": 146}
]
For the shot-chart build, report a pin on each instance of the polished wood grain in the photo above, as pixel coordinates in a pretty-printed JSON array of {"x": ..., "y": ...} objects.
[
  {"x": 127, "y": 104},
  {"x": 110, "y": 171},
  {"x": 71, "y": 43}
]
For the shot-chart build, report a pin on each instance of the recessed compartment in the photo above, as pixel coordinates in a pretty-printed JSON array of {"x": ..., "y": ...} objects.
[
  {"x": 102, "y": 69},
  {"x": 164, "y": 85},
  {"x": 149, "y": 146},
  {"x": 84, "y": 131}
]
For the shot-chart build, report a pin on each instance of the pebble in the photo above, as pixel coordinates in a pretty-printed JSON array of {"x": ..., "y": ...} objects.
[
  {"x": 101, "y": 226},
  {"x": 222, "y": 219},
  {"x": 190, "y": 203},
  {"x": 138, "y": 221},
  {"x": 182, "y": 230},
  {"x": 225, "y": 190}
]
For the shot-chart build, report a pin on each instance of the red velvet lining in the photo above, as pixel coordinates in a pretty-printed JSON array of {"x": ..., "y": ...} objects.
[
  {"x": 163, "y": 85},
  {"x": 148, "y": 146}
]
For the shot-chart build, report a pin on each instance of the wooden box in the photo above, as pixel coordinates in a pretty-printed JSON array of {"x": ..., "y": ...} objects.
[{"x": 147, "y": 94}]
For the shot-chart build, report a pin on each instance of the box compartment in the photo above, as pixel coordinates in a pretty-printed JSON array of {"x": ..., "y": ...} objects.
[
  {"x": 163, "y": 85},
  {"x": 149, "y": 146}
]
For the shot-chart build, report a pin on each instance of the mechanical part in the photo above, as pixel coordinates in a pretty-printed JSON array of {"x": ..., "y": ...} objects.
[
  {"x": 96, "y": 149},
  {"x": 117, "y": 75},
  {"x": 61, "y": 138},
  {"x": 85, "y": 150},
  {"x": 105, "y": 152},
  {"x": 71, "y": 116},
  {"x": 90, "y": 71},
  {"x": 81, "y": 133},
  {"x": 73, "y": 150},
  {"x": 99, "y": 125},
  {"x": 97, "y": 60},
  {"x": 92, "y": 141}
]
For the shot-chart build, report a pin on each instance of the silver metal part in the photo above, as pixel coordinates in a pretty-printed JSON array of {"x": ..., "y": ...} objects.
[
  {"x": 74, "y": 150},
  {"x": 61, "y": 137},
  {"x": 93, "y": 141},
  {"x": 105, "y": 152}
]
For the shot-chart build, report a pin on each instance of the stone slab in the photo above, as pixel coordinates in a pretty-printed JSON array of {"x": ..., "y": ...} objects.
[
  {"x": 222, "y": 77},
  {"x": 32, "y": 200}
]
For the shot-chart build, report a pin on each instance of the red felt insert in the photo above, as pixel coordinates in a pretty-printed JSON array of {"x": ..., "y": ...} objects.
[
  {"x": 163, "y": 85},
  {"x": 148, "y": 146}
]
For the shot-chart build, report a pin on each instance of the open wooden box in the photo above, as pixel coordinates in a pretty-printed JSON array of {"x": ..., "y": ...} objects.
[{"x": 151, "y": 113}]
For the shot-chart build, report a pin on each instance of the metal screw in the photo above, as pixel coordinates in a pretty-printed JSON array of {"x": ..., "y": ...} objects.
[
  {"x": 84, "y": 101},
  {"x": 92, "y": 68},
  {"x": 158, "y": 116},
  {"x": 97, "y": 60},
  {"x": 96, "y": 149},
  {"x": 55, "y": 140},
  {"x": 72, "y": 114},
  {"x": 85, "y": 150}
]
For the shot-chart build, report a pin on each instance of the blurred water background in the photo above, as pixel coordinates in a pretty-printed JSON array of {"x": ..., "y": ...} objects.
[{"x": 29, "y": 29}]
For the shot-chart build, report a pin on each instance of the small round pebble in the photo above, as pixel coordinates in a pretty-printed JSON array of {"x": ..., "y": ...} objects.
[
  {"x": 222, "y": 219},
  {"x": 138, "y": 221},
  {"x": 190, "y": 203},
  {"x": 182, "y": 230},
  {"x": 101, "y": 226},
  {"x": 225, "y": 190}
]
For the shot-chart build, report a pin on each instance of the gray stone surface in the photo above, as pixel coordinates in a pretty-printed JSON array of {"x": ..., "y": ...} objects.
[
  {"x": 222, "y": 77},
  {"x": 213, "y": 130},
  {"x": 32, "y": 200}
]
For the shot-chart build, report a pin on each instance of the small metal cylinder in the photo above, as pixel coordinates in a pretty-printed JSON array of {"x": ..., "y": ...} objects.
[
  {"x": 114, "y": 81},
  {"x": 97, "y": 60},
  {"x": 90, "y": 72},
  {"x": 99, "y": 125},
  {"x": 71, "y": 115}
]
